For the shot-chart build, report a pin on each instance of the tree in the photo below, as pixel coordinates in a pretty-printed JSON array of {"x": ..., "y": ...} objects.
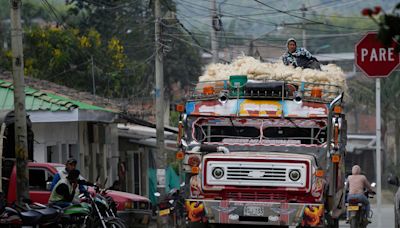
[
  {"x": 118, "y": 34},
  {"x": 388, "y": 23},
  {"x": 133, "y": 24},
  {"x": 389, "y": 30},
  {"x": 64, "y": 56},
  {"x": 362, "y": 100}
]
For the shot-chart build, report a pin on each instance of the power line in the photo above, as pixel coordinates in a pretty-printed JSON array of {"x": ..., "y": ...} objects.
[
  {"x": 238, "y": 16},
  {"x": 193, "y": 5},
  {"x": 185, "y": 29},
  {"x": 265, "y": 12},
  {"x": 303, "y": 18},
  {"x": 339, "y": 16},
  {"x": 192, "y": 44},
  {"x": 60, "y": 20},
  {"x": 340, "y": 4},
  {"x": 227, "y": 14},
  {"x": 50, "y": 8},
  {"x": 258, "y": 22},
  {"x": 69, "y": 70},
  {"x": 243, "y": 38},
  {"x": 316, "y": 36}
]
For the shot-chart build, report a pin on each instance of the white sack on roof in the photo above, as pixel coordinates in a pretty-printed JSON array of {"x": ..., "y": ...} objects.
[{"x": 254, "y": 69}]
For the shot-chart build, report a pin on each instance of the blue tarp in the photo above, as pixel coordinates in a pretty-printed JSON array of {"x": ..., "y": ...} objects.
[{"x": 172, "y": 180}]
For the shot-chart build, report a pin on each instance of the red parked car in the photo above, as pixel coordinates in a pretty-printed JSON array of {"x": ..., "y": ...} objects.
[{"x": 134, "y": 209}]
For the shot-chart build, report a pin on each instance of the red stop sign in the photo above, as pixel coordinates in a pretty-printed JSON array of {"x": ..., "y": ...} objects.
[{"x": 374, "y": 59}]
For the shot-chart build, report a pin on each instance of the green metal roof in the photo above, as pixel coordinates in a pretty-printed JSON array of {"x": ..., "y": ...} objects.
[{"x": 36, "y": 100}]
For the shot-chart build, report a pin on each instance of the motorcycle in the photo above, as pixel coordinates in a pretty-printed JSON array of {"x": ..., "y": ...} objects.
[
  {"x": 162, "y": 209},
  {"x": 93, "y": 211},
  {"x": 29, "y": 215},
  {"x": 357, "y": 213},
  {"x": 171, "y": 209},
  {"x": 103, "y": 215},
  {"x": 75, "y": 215},
  {"x": 108, "y": 207}
]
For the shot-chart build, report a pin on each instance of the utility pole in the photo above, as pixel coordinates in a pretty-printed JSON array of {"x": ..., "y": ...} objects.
[
  {"x": 93, "y": 81},
  {"x": 161, "y": 160},
  {"x": 304, "y": 9},
  {"x": 159, "y": 91},
  {"x": 21, "y": 144},
  {"x": 214, "y": 38}
]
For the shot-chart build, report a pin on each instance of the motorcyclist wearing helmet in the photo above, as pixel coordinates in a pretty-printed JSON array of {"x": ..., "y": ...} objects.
[{"x": 356, "y": 185}]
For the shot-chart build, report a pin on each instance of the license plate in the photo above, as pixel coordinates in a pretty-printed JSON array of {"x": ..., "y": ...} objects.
[
  {"x": 352, "y": 208},
  {"x": 164, "y": 212},
  {"x": 253, "y": 211}
]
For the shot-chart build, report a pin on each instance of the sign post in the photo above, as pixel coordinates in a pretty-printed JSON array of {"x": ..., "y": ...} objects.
[{"x": 377, "y": 61}]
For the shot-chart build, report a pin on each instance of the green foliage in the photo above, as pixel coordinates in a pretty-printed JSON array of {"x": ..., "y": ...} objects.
[
  {"x": 32, "y": 11},
  {"x": 362, "y": 94},
  {"x": 174, "y": 118},
  {"x": 4, "y": 10},
  {"x": 133, "y": 25},
  {"x": 64, "y": 56},
  {"x": 388, "y": 23},
  {"x": 389, "y": 29},
  {"x": 119, "y": 34}
]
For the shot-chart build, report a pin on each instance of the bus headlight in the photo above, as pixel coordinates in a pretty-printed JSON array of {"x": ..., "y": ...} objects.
[
  {"x": 294, "y": 174},
  {"x": 218, "y": 173}
]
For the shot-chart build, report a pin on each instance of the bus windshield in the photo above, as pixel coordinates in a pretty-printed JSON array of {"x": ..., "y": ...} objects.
[{"x": 259, "y": 131}]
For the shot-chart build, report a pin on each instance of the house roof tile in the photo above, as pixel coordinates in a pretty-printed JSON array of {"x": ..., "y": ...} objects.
[{"x": 36, "y": 100}]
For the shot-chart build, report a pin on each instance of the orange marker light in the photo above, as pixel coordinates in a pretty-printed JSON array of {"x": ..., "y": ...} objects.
[
  {"x": 179, "y": 155},
  {"x": 180, "y": 108},
  {"x": 208, "y": 90},
  {"x": 195, "y": 170},
  {"x": 319, "y": 173},
  {"x": 337, "y": 109},
  {"x": 316, "y": 92},
  {"x": 336, "y": 158}
]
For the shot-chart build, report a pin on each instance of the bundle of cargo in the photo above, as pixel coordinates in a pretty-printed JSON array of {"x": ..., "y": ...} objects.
[{"x": 329, "y": 79}]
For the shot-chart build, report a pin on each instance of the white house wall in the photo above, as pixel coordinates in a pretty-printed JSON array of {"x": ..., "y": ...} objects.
[
  {"x": 113, "y": 152},
  {"x": 83, "y": 145},
  {"x": 56, "y": 135},
  {"x": 101, "y": 151},
  {"x": 70, "y": 139}
]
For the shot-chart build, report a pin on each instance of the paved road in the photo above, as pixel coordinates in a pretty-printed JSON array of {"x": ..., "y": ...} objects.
[
  {"x": 387, "y": 214},
  {"x": 387, "y": 218}
]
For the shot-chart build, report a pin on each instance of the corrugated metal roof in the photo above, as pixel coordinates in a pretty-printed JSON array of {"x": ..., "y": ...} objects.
[{"x": 36, "y": 100}]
